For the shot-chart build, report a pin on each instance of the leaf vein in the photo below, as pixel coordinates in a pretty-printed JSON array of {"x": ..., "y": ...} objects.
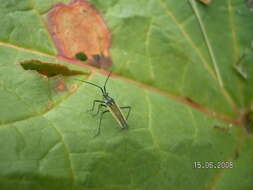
[
  {"x": 6, "y": 44},
  {"x": 66, "y": 148},
  {"x": 150, "y": 121},
  {"x": 41, "y": 113},
  {"x": 188, "y": 39},
  {"x": 147, "y": 44},
  {"x": 194, "y": 124},
  {"x": 209, "y": 46}
]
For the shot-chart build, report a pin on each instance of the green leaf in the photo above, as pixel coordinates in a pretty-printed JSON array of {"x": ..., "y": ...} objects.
[{"x": 183, "y": 67}]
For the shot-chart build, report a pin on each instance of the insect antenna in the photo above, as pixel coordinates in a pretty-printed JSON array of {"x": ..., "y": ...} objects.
[
  {"x": 106, "y": 81},
  {"x": 92, "y": 84}
]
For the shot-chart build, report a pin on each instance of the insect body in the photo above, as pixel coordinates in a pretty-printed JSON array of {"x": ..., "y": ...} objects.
[{"x": 111, "y": 106}]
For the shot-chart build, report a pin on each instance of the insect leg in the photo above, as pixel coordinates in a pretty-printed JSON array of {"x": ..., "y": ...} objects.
[
  {"x": 99, "y": 108},
  {"x": 94, "y": 102},
  {"x": 101, "y": 117},
  {"x": 129, "y": 110}
]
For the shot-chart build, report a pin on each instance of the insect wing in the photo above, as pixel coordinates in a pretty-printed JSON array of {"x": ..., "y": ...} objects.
[{"x": 118, "y": 115}]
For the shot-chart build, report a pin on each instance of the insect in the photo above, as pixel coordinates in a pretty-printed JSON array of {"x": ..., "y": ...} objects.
[{"x": 112, "y": 107}]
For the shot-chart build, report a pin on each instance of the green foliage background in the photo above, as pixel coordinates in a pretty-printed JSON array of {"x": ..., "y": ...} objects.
[{"x": 181, "y": 47}]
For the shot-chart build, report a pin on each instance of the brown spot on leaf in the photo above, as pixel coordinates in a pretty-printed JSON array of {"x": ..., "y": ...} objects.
[
  {"x": 78, "y": 27},
  {"x": 100, "y": 60},
  {"x": 192, "y": 102},
  {"x": 60, "y": 86},
  {"x": 236, "y": 156},
  {"x": 73, "y": 88},
  {"x": 223, "y": 129},
  {"x": 50, "y": 106},
  {"x": 246, "y": 119},
  {"x": 49, "y": 69}
]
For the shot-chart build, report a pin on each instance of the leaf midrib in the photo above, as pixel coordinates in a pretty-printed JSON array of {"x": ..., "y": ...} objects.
[{"x": 211, "y": 113}]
